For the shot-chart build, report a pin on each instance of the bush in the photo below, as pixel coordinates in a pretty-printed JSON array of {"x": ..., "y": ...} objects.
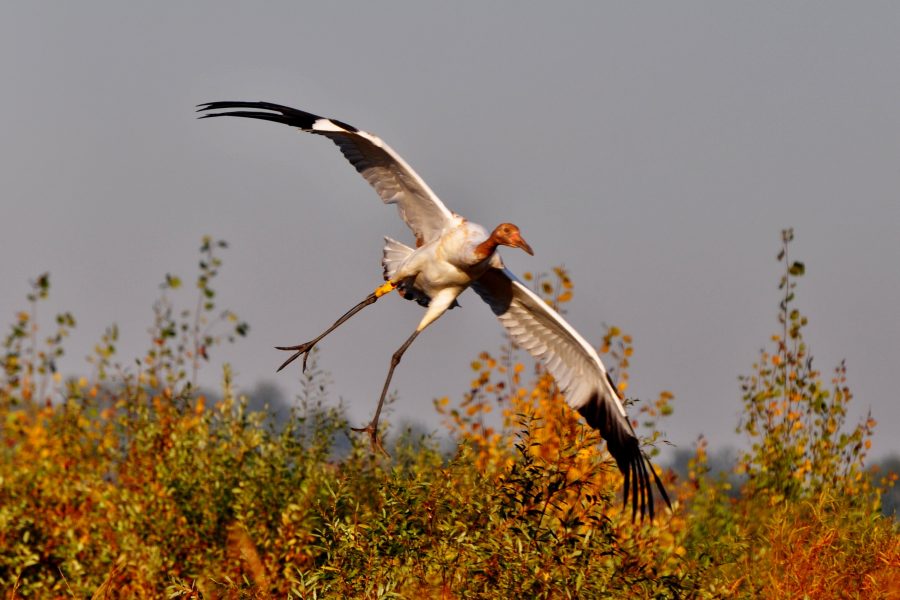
[{"x": 138, "y": 484}]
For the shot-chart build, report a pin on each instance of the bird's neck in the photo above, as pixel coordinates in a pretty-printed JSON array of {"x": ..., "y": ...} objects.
[{"x": 485, "y": 249}]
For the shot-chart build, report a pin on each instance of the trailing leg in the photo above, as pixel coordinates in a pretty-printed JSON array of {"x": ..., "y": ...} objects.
[
  {"x": 372, "y": 427},
  {"x": 305, "y": 348},
  {"x": 436, "y": 308}
]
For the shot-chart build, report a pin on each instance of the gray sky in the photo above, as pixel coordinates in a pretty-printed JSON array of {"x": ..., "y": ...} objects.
[{"x": 655, "y": 150}]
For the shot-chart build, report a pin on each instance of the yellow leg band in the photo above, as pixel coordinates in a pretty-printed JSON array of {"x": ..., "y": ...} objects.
[{"x": 387, "y": 288}]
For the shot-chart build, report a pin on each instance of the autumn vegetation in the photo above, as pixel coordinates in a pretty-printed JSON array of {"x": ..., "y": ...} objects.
[{"x": 128, "y": 481}]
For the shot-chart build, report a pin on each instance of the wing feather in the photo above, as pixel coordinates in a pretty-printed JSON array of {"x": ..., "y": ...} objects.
[
  {"x": 385, "y": 170},
  {"x": 579, "y": 372}
]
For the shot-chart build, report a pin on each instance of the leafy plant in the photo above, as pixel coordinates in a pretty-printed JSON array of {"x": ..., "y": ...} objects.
[
  {"x": 129, "y": 482},
  {"x": 796, "y": 421}
]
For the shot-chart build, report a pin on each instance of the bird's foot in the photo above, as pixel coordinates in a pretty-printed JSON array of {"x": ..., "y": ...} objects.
[
  {"x": 372, "y": 430},
  {"x": 299, "y": 350},
  {"x": 387, "y": 288}
]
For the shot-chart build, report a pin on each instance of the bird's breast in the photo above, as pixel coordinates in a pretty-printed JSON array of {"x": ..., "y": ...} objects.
[
  {"x": 458, "y": 246},
  {"x": 449, "y": 262}
]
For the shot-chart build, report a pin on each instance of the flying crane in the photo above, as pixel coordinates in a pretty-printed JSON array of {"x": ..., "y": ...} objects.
[{"x": 450, "y": 255}]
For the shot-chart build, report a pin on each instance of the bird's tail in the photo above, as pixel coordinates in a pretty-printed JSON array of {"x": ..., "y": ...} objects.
[{"x": 394, "y": 255}]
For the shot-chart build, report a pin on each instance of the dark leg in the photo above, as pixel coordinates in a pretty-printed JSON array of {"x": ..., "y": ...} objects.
[
  {"x": 372, "y": 428},
  {"x": 305, "y": 348}
]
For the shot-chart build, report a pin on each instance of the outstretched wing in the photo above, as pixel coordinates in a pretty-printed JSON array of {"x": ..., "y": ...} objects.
[
  {"x": 393, "y": 179},
  {"x": 578, "y": 371}
]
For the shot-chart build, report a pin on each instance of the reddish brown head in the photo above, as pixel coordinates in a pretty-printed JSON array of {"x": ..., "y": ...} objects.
[{"x": 507, "y": 234}]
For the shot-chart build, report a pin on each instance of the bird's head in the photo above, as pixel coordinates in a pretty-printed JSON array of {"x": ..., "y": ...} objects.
[{"x": 507, "y": 234}]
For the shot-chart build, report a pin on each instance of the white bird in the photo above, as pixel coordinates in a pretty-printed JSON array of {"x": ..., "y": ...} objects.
[{"x": 452, "y": 254}]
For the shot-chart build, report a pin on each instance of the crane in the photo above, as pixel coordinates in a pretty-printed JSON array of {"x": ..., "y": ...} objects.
[{"x": 450, "y": 255}]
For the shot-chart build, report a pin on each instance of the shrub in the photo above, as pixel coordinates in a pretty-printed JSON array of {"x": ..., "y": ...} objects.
[{"x": 131, "y": 482}]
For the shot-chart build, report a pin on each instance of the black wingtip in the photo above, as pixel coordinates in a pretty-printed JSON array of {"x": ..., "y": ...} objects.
[
  {"x": 637, "y": 488},
  {"x": 638, "y": 485},
  {"x": 659, "y": 483},
  {"x": 267, "y": 111},
  {"x": 633, "y": 463}
]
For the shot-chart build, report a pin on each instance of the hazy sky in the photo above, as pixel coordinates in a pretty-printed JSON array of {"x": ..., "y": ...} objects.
[{"x": 654, "y": 149}]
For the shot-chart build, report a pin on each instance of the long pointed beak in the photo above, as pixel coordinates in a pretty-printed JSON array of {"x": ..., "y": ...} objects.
[{"x": 520, "y": 243}]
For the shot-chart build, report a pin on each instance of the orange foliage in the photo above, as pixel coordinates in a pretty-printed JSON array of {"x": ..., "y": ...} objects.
[
  {"x": 135, "y": 485},
  {"x": 537, "y": 421}
]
